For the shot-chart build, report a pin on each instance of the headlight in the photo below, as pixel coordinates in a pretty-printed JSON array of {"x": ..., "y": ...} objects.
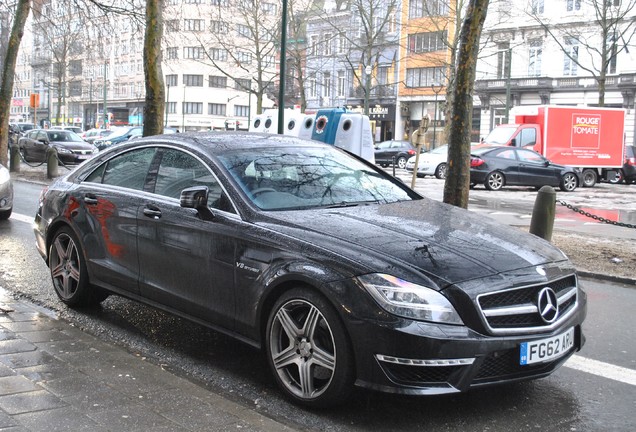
[
  {"x": 63, "y": 150},
  {"x": 409, "y": 300}
]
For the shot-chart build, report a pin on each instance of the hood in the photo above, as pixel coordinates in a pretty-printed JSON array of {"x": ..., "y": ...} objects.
[{"x": 419, "y": 238}]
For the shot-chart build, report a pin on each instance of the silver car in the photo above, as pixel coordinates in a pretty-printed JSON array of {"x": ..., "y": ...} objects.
[{"x": 6, "y": 193}]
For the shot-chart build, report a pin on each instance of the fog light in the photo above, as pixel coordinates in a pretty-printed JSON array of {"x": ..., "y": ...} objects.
[{"x": 3, "y": 202}]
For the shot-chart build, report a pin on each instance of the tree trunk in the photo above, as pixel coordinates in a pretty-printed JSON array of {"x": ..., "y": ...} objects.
[
  {"x": 8, "y": 71},
  {"x": 457, "y": 183},
  {"x": 154, "y": 107}
]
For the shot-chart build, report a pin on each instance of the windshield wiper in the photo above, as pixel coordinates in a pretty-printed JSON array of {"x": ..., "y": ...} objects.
[{"x": 352, "y": 204}]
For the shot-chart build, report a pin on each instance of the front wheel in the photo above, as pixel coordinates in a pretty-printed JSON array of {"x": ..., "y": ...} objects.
[
  {"x": 618, "y": 178},
  {"x": 69, "y": 273},
  {"x": 569, "y": 182},
  {"x": 440, "y": 171},
  {"x": 308, "y": 349},
  {"x": 495, "y": 181}
]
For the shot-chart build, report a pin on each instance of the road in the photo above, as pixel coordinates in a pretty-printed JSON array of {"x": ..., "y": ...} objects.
[{"x": 600, "y": 397}]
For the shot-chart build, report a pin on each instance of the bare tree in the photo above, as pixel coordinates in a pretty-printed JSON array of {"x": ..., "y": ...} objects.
[
  {"x": 602, "y": 38},
  {"x": 22, "y": 9},
  {"x": 457, "y": 183},
  {"x": 155, "y": 94}
]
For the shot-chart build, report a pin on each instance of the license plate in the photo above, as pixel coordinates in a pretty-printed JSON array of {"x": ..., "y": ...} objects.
[{"x": 547, "y": 349}]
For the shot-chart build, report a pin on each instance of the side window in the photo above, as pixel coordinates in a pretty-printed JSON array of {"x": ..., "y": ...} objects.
[
  {"x": 527, "y": 137},
  {"x": 128, "y": 170},
  {"x": 507, "y": 154},
  {"x": 529, "y": 156},
  {"x": 179, "y": 170},
  {"x": 40, "y": 136}
]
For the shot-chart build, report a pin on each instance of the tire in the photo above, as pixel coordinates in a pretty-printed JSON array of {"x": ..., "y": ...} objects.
[
  {"x": 5, "y": 214},
  {"x": 306, "y": 339},
  {"x": 401, "y": 162},
  {"x": 618, "y": 178},
  {"x": 440, "y": 171},
  {"x": 569, "y": 182},
  {"x": 68, "y": 272},
  {"x": 495, "y": 181},
  {"x": 589, "y": 178}
]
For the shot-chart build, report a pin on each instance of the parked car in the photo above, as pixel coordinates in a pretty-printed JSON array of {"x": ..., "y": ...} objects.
[
  {"x": 6, "y": 193},
  {"x": 432, "y": 162},
  {"x": 499, "y": 166},
  {"x": 338, "y": 271},
  {"x": 76, "y": 129},
  {"x": 123, "y": 134},
  {"x": 22, "y": 127},
  {"x": 71, "y": 149},
  {"x": 92, "y": 134},
  {"x": 627, "y": 173},
  {"x": 388, "y": 152}
]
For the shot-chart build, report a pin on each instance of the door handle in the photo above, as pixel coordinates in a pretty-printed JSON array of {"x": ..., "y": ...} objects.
[
  {"x": 90, "y": 199},
  {"x": 153, "y": 213}
]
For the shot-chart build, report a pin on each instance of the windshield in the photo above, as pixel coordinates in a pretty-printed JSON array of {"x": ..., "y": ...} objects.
[
  {"x": 500, "y": 135},
  {"x": 439, "y": 150},
  {"x": 301, "y": 178},
  {"x": 63, "y": 136}
]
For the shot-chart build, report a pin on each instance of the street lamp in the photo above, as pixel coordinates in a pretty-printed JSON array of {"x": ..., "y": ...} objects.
[
  {"x": 183, "y": 110},
  {"x": 437, "y": 88},
  {"x": 167, "y": 105}
]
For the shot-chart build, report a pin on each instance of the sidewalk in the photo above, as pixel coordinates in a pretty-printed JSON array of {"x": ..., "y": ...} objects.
[{"x": 54, "y": 377}]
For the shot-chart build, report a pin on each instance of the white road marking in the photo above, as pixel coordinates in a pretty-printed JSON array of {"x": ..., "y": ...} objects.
[
  {"x": 605, "y": 370},
  {"x": 22, "y": 218}
]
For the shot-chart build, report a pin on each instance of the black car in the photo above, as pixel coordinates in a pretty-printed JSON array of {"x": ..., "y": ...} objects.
[
  {"x": 71, "y": 149},
  {"x": 337, "y": 270},
  {"x": 627, "y": 173},
  {"x": 390, "y": 152},
  {"x": 499, "y": 166}
]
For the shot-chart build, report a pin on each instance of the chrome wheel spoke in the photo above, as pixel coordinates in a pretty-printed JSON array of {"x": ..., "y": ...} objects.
[
  {"x": 306, "y": 379},
  {"x": 311, "y": 322},
  {"x": 324, "y": 359},
  {"x": 288, "y": 324},
  {"x": 287, "y": 357}
]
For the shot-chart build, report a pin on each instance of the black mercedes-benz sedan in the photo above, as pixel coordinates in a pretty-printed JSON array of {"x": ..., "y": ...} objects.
[{"x": 339, "y": 272}]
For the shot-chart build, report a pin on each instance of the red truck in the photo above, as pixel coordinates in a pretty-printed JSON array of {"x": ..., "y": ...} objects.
[{"x": 589, "y": 138}]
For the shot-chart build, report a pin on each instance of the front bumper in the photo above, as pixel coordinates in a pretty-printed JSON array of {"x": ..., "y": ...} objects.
[{"x": 398, "y": 355}]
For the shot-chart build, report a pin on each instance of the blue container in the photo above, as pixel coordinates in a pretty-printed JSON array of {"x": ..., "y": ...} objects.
[{"x": 326, "y": 125}]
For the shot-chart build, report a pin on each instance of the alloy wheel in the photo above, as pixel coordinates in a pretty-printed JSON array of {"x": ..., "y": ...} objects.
[
  {"x": 65, "y": 267},
  {"x": 495, "y": 181}
]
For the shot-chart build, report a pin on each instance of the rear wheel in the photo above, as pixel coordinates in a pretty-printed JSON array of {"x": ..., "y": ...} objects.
[
  {"x": 401, "y": 162},
  {"x": 618, "y": 178},
  {"x": 308, "y": 349},
  {"x": 568, "y": 182},
  {"x": 440, "y": 171},
  {"x": 69, "y": 273},
  {"x": 495, "y": 181},
  {"x": 589, "y": 177}
]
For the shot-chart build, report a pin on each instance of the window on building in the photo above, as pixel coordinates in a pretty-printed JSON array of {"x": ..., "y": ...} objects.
[
  {"x": 392, "y": 21},
  {"x": 342, "y": 83},
  {"x": 570, "y": 56},
  {"x": 171, "y": 107},
  {"x": 193, "y": 1},
  {"x": 218, "y": 54},
  {"x": 326, "y": 84},
  {"x": 535, "y": 52},
  {"x": 75, "y": 67},
  {"x": 328, "y": 44},
  {"x": 242, "y": 84},
  {"x": 427, "y": 42},
  {"x": 244, "y": 31},
  {"x": 193, "y": 25},
  {"x": 75, "y": 88},
  {"x": 613, "y": 55},
  {"x": 172, "y": 53},
  {"x": 172, "y": 26},
  {"x": 342, "y": 43},
  {"x": 241, "y": 110},
  {"x": 503, "y": 59},
  {"x": 425, "y": 8},
  {"x": 536, "y": 7},
  {"x": 217, "y": 109},
  {"x": 424, "y": 77},
  {"x": 171, "y": 80},
  {"x": 572, "y": 5},
  {"x": 193, "y": 52},
  {"x": 219, "y": 27},
  {"x": 193, "y": 80},
  {"x": 269, "y": 8},
  {"x": 224, "y": 3},
  {"x": 313, "y": 45},
  {"x": 244, "y": 57},
  {"x": 192, "y": 108},
  {"x": 217, "y": 81},
  {"x": 311, "y": 85}
]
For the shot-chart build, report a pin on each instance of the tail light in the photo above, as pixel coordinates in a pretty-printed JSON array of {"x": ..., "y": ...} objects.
[
  {"x": 630, "y": 161},
  {"x": 411, "y": 152},
  {"x": 475, "y": 162}
]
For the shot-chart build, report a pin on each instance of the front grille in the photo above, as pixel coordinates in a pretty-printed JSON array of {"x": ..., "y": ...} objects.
[
  {"x": 505, "y": 365},
  {"x": 516, "y": 311}
]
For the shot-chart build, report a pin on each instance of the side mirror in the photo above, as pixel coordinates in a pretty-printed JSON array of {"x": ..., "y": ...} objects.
[
  {"x": 547, "y": 163},
  {"x": 513, "y": 142},
  {"x": 196, "y": 197}
]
